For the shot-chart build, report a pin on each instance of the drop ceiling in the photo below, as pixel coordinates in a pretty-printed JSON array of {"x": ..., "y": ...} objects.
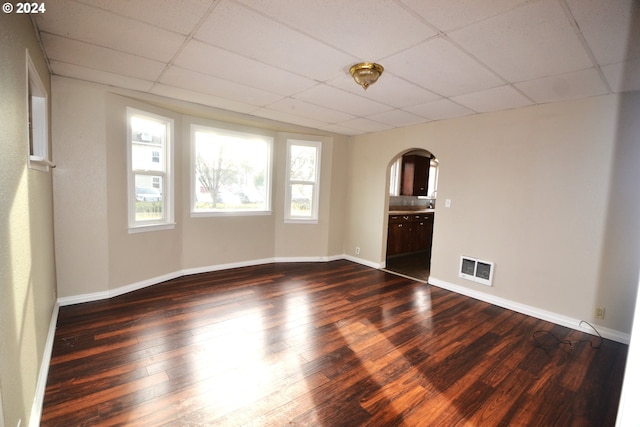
[{"x": 288, "y": 60}]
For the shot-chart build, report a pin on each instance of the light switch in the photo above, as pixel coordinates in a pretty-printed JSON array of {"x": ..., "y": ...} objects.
[{"x": 447, "y": 203}]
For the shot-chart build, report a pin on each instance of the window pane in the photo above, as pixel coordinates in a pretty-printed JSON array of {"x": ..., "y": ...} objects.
[
  {"x": 149, "y": 199},
  {"x": 147, "y": 145},
  {"x": 231, "y": 172},
  {"x": 433, "y": 180},
  {"x": 301, "y": 200},
  {"x": 303, "y": 163}
]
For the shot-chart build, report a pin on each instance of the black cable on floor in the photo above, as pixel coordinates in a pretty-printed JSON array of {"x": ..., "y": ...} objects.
[{"x": 548, "y": 341}]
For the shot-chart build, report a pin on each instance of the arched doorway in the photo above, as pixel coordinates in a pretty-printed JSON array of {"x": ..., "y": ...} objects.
[{"x": 412, "y": 193}]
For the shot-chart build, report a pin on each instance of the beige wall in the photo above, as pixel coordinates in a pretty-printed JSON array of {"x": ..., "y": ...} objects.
[
  {"x": 139, "y": 256},
  {"x": 27, "y": 270},
  {"x": 79, "y": 140},
  {"x": 530, "y": 191},
  {"x": 97, "y": 254}
]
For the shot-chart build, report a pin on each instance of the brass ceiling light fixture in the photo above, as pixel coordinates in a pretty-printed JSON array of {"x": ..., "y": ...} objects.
[{"x": 366, "y": 73}]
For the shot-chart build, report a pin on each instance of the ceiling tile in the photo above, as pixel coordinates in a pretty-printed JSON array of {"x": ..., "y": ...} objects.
[
  {"x": 97, "y": 76},
  {"x": 397, "y": 118},
  {"x": 207, "y": 59},
  {"x": 99, "y": 58},
  {"x": 526, "y": 43},
  {"x": 440, "y": 110},
  {"x": 288, "y": 60},
  {"x": 578, "y": 84},
  {"x": 389, "y": 90},
  {"x": 623, "y": 76},
  {"x": 96, "y": 26},
  {"x": 198, "y": 82},
  {"x": 202, "y": 98},
  {"x": 439, "y": 66},
  {"x": 342, "y": 130},
  {"x": 448, "y": 15},
  {"x": 497, "y": 98},
  {"x": 179, "y": 16},
  {"x": 347, "y": 102},
  {"x": 365, "y": 125},
  {"x": 263, "y": 39},
  {"x": 364, "y": 29},
  {"x": 609, "y": 28},
  {"x": 312, "y": 111},
  {"x": 288, "y": 118}
]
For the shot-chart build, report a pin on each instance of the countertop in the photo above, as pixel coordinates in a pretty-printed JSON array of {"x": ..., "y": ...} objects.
[{"x": 406, "y": 210}]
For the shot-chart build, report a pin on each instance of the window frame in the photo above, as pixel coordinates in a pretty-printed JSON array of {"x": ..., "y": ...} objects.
[
  {"x": 166, "y": 175},
  {"x": 305, "y": 141},
  {"x": 230, "y": 130},
  {"x": 37, "y": 101},
  {"x": 395, "y": 178},
  {"x": 432, "y": 184}
]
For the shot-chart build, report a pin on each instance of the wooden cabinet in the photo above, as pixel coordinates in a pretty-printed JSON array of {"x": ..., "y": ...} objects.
[
  {"x": 409, "y": 233},
  {"x": 415, "y": 175},
  {"x": 398, "y": 235},
  {"x": 423, "y": 232}
]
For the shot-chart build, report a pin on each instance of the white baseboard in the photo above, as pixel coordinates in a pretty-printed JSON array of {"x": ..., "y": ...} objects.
[
  {"x": 97, "y": 296},
  {"x": 501, "y": 302},
  {"x": 376, "y": 265},
  {"x": 538, "y": 313},
  {"x": 41, "y": 384},
  {"x": 228, "y": 266}
]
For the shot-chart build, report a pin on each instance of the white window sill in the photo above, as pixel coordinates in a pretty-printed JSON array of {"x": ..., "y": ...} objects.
[
  {"x": 151, "y": 227},
  {"x": 204, "y": 214},
  {"x": 40, "y": 163},
  {"x": 300, "y": 221}
]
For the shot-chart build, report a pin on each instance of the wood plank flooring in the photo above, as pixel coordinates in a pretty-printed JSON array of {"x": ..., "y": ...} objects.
[{"x": 319, "y": 344}]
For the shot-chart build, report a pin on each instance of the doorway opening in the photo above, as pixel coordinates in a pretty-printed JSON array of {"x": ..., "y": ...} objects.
[{"x": 412, "y": 194}]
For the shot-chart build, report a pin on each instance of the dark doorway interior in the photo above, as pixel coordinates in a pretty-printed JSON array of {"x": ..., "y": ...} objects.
[{"x": 415, "y": 265}]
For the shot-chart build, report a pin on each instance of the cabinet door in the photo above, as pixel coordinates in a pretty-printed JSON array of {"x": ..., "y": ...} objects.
[
  {"x": 415, "y": 175},
  {"x": 425, "y": 231},
  {"x": 413, "y": 243},
  {"x": 428, "y": 222},
  {"x": 422, "y": 235},
  {"x": 408, "y": 173},
  {"x": 421, "y": 176},
  {"x": 396, "y": 238}
]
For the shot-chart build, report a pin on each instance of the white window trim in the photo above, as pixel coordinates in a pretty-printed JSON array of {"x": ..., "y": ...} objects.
[
  {"x": 308, "y": 141},
  {"x": 228, "y": 129},
  {"x": 394, "y": 179},
  {"x": 38, "y": 129},
  {"x": 167, "y": 222}
]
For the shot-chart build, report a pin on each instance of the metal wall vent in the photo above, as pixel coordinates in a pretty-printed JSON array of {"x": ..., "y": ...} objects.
[{"x": 476, "y": 270}]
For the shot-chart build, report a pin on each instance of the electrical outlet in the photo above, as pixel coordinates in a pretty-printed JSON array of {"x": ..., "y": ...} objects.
[
  {"x": 357, "y": 250},
  {"x": 599, "y": 313}
]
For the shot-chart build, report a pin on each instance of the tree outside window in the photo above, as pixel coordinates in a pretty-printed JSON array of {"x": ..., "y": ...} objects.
[{"x": 231, "y": 171}]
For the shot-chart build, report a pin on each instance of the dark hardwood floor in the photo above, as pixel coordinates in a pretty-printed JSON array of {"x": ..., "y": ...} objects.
[{"x": 320, "y": 344}]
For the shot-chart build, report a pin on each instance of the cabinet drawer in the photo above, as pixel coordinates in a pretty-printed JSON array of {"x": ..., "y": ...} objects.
[
  {"x": 399, "y": 219},
  {"x": 395, "y": 219}
]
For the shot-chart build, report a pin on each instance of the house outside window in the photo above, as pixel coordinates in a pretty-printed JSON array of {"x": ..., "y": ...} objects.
[
  {"x": 302, "y": 180},
  {"x": 150, "y": 185}
]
